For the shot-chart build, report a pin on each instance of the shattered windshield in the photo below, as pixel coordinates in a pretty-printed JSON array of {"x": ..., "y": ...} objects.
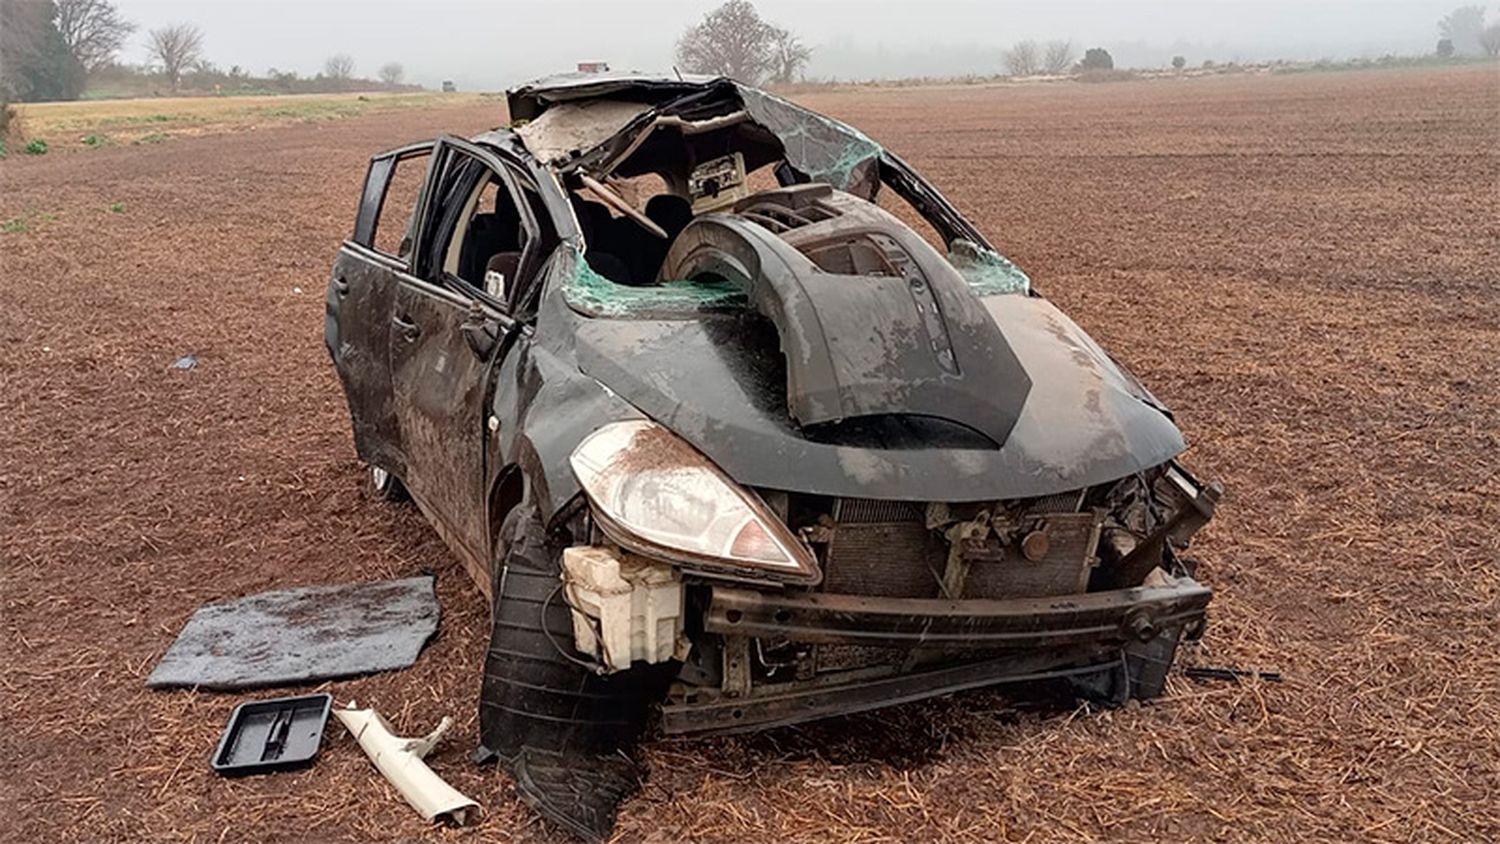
[
  {"x": 590, "y": 293},
  {"x": 821, "y": 148}
]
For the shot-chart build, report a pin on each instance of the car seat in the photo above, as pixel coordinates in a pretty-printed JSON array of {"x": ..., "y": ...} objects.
[
  {"x": 489, "y": 234},
  {"x": 672, "y": 213}
]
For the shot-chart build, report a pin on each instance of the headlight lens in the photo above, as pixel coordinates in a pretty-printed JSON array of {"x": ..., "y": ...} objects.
[{"x": 656, "y": 494}]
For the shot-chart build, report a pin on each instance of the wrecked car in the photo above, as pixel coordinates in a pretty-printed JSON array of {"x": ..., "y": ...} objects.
[{"x": 737, "y": 422}]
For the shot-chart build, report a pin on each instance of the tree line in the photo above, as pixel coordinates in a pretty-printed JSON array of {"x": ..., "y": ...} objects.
[{"x": 51, "y": 49}]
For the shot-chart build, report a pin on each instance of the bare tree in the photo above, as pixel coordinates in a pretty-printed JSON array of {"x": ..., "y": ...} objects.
[
  {"x": 1023, "y": 58},
  {"x": 339, "y": 66},
  {"x": 732, "y": 41},
  {"x": 789, "y": 57},
  {"x": 391, "y": 73},
  {"x": 176, "y": 47},
  {"x": 1058, "y": 57},
  {"x": 1489, "y": 40},
  {"x": 93, "y": 30},
  {"x": 21, "y": 31},
  {"x": 1464, "y": 26}
]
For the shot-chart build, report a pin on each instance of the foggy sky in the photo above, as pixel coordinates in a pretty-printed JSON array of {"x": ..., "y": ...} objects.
[{"x": 489, "y": 45}]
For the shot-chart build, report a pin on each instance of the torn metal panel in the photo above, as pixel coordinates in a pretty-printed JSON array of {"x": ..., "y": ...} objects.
[{"x": 570, "y": 128}]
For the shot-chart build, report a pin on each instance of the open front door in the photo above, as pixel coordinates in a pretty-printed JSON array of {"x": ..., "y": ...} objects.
[{"x": 442, "y": 375}]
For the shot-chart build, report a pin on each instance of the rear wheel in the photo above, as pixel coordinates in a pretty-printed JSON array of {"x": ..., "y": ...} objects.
[{"x": 386, "y": 486}]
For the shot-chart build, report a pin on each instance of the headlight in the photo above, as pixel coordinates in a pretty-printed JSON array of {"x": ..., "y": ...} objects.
[{"x": 656, "y": 495}]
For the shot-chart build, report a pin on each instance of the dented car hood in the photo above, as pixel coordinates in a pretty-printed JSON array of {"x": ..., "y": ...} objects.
[
  {"x": 787, "y": 384},
  {"x": 720, "y": 384}
]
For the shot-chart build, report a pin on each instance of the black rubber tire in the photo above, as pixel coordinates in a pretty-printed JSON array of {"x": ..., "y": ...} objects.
[{"x": 538, "y": 691}]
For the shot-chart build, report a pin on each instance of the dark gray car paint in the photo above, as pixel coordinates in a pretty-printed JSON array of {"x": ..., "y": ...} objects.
[
  {"x": 917, "y": 344},
  {"x": 719, "y": 383}
]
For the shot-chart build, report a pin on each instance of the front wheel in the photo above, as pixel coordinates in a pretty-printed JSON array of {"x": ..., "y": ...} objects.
[{"x": 552, "y": 721}]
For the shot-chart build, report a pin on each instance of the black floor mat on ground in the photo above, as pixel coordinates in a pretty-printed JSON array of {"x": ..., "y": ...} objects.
[{"x": 302, "y": 635}]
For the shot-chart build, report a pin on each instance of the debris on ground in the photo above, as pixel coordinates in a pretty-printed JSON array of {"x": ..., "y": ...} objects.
[
  {"x": 276, "y": 734},
  {"x": 302, "y": 635},
  {"x": 400, "y": 760}
]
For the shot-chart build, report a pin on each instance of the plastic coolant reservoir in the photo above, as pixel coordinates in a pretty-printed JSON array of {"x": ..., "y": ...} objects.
[{"x": 625, "y": 608}]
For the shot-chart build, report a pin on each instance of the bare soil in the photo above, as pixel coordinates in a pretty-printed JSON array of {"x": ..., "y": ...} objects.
[{"x": 1306, "y": 268}]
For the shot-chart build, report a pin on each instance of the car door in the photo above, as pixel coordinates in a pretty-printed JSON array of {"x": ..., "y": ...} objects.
[
  {"x": 361, "y": 296},
  {"x": 441, "y": 374}
]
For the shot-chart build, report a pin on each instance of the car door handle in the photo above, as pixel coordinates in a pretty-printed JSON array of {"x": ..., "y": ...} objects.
[
  {"x": 409, "y": 330},
  {"x": 341, "y": 286}
]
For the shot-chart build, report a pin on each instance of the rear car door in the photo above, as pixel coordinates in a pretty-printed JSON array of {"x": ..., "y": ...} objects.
[
  {"x": 472, "y": 243},
  {"x": 361, "y": 297}
]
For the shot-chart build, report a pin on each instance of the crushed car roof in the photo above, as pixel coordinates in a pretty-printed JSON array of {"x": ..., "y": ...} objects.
[{"x": 819, "y": 147}]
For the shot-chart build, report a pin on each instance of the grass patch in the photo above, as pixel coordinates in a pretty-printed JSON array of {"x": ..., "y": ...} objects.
[
  {"x": 95, "y": 140},
  {"x": 117, "y": 208},
  {"x": 36, "y": 147},
  {"x": 24, "y": 223},
  {"x": 148, "y": 119}
]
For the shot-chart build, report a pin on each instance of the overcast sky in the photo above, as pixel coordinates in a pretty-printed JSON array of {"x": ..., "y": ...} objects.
[{"x": 489, "y": 45}]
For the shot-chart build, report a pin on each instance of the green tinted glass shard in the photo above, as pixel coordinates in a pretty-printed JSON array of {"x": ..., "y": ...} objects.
[{"x": 988, "y": 272}]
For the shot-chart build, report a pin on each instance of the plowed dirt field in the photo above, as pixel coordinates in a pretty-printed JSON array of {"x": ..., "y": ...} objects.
[{"x": 1306, "y": 268}]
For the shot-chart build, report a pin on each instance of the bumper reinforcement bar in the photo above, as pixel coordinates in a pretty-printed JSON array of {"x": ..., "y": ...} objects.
[{"x": 1097, "y": 618}]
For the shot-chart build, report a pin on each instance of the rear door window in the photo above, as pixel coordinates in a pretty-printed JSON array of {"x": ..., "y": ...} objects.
[{"x": 389, "y": 211}]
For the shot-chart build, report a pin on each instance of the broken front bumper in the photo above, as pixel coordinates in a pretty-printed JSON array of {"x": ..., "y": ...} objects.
[{"x": 1014, "y": 640}]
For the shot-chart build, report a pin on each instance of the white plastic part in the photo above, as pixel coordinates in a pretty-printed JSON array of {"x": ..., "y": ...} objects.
[
  {"x": 400, "y": 761},
  {"x": 625, "y": 608}
]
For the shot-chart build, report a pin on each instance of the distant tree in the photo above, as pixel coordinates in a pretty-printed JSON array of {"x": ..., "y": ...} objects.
[
  {"x": 1096, "y": 58},
  {"x": 1463, "y": 26},
  {"x": 35, "y": 62},
  {"x": 339, "y": 66},
  {"x": 391, "y": 73},
  {"x": 1023, "y": 58},
  {"x": 93, "y": 30},
  {"x": 176, "y": 47},
  {"x": 1445, "y": 48},
  {"x": 1179, "y": 62},
  {"x": 732, "y": 40},
  {"x": 789, "y": 56},
  {"x": 1489, "y": 40},
  {"x": 1058, "y": 57}
]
